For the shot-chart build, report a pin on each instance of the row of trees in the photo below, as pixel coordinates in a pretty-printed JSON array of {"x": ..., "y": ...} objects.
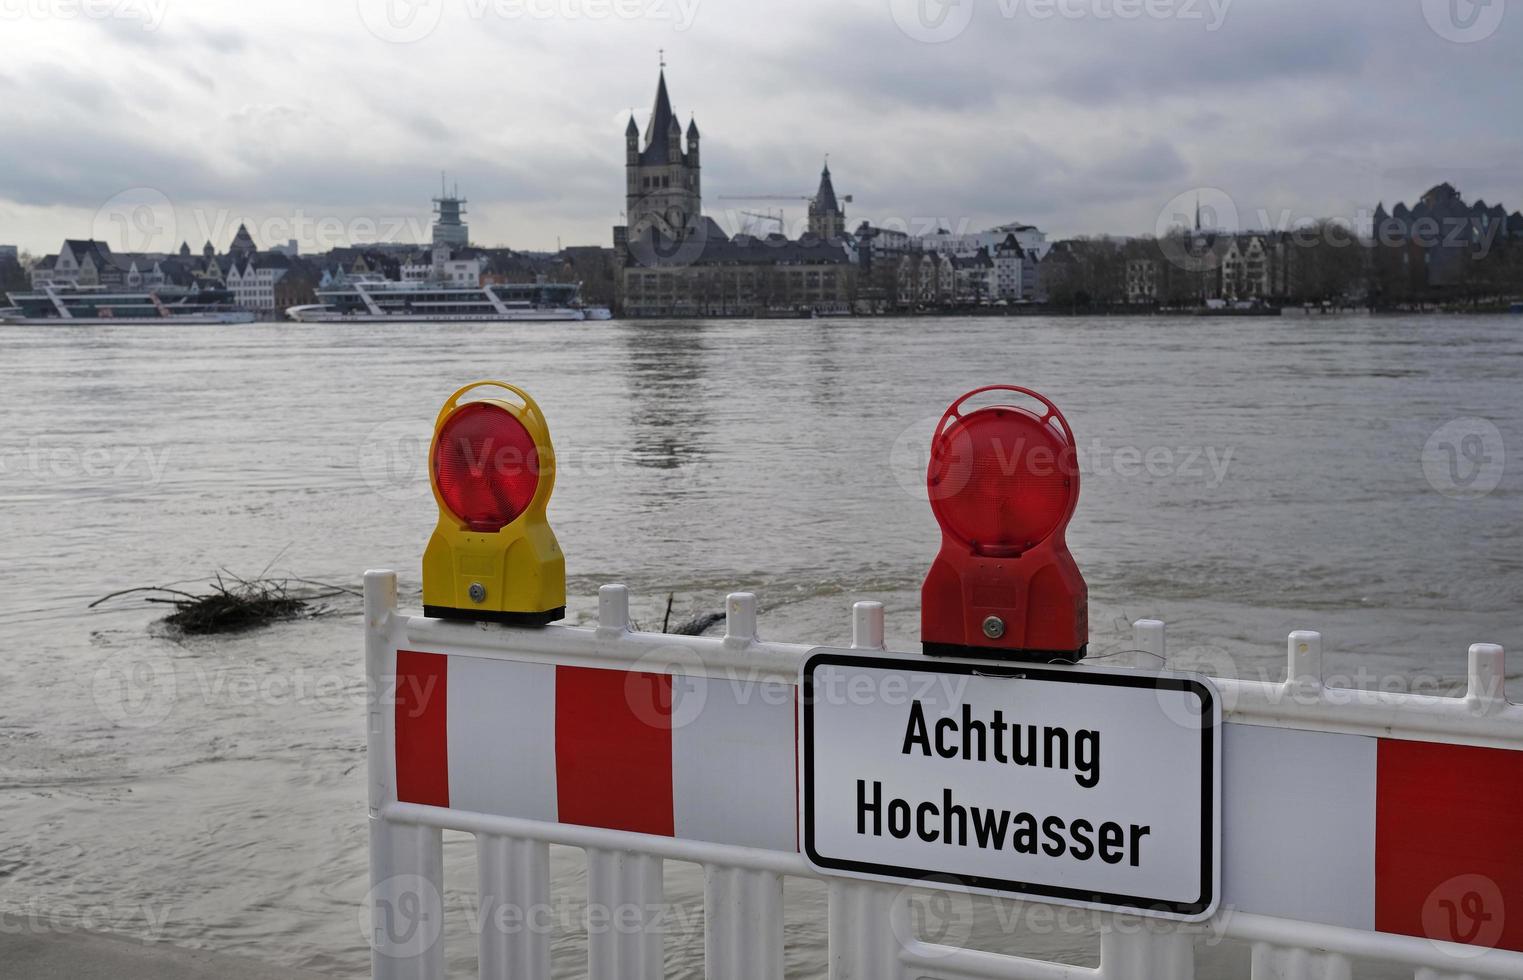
[
  {"x": 1404, "y": 276},
  {"x": 1321, "y": 264}
]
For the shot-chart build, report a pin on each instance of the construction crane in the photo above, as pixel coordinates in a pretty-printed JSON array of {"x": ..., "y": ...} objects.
[
  {"x": 768, "y": 216},
  {"x": 844, "y": 199}
]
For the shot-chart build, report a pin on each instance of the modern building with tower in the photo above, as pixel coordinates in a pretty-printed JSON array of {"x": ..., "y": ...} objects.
[{"x": 449, "y": 209}]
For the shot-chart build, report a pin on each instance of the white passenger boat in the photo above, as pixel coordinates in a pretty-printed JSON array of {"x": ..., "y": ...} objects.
[
  {"x": 49, "y": 305},
  {"x": 374, "y": 300}
]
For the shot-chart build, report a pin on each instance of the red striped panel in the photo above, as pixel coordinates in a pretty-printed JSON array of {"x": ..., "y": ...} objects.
[
  {"x": 422, "y": 728},
  {"x": 613, "y": 749},
  {"x": 1449, "y": 843}
]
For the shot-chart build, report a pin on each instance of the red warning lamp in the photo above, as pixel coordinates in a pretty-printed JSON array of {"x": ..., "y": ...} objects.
[
  {"x": 475, "y": 432},
  {"x": 1004, "y": 481}
]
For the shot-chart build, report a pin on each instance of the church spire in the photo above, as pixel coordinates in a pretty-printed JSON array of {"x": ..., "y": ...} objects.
[
  {"x": 661, "y": 115},
  {"x": 663, "y": 134},
  {"x": 825, "y": 198},
  {"x": 826, "y": 218}
]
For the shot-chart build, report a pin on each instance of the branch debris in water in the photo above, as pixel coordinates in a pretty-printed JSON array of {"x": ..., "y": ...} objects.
[
  {"x": 235, "y": 604},
  {"x": 697, "y": 626}
]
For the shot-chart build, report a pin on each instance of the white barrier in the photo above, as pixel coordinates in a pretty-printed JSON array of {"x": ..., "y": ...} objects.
[{"x": 471, "y": 729}]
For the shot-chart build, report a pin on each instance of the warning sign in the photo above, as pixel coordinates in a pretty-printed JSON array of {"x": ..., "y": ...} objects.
[{"x": 1074, "y": 785}]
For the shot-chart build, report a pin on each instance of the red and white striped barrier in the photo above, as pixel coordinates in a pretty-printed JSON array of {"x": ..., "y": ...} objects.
[
  {"x": 1353, "y": 825},
  {"x": 649, "y": 753}
]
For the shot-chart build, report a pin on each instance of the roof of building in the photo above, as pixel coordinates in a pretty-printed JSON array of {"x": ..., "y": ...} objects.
[
  {"x": 243, "y": 241},
  {"x": 1440, "y": 192},
  {"x": 81, "y": 248},
  {"x": 1010, "y": 244},
  {"x": 126, "y": 260},
  {"x": 1444, "y": 205},
  {"x": 774, "y": 249}
]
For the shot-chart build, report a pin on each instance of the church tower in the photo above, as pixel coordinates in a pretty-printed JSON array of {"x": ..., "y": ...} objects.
[
  {"x": 827, "y": 219},
  {"x": 663, "y": 196}
]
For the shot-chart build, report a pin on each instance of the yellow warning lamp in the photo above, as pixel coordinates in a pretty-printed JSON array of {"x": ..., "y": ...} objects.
[{"x": 493, "y": 556}]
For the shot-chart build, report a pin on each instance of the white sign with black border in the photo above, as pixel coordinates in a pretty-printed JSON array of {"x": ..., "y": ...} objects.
[{"x": 1081, "y": 786}]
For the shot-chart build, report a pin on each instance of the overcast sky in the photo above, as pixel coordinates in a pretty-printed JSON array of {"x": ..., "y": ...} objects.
[{"x": 151, "y": 121}]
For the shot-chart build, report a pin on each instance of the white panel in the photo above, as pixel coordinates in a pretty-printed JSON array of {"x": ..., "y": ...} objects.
[
  {"x": 502, "y": 738},
  {"x": 732, "y": 762},
  {"x": 1298, "y": 825}
]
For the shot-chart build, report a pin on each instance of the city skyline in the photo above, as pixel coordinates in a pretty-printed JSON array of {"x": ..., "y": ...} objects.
[{"x": 193, "y": 110}]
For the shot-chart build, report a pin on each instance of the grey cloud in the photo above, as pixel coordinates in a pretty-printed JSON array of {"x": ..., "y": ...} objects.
[{"x": 1081, "y": 126}]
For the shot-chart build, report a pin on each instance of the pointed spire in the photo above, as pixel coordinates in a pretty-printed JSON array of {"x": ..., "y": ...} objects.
[
  {"x": 632, "y": 129},
  {"x": 692, "y": 128},
  {"x": 662, "y": 127},
  {"x": 825, "y": 198},
  {"x": 661, "y": 112}
]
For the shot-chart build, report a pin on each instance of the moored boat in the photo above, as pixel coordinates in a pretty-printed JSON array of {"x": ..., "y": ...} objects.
[
  {"x": 49, "y": 305},
  {"x": 370, "y": 299}
]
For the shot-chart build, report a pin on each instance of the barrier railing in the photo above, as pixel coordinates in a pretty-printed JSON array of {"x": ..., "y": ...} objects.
[{"x": 1357, "y": 826}]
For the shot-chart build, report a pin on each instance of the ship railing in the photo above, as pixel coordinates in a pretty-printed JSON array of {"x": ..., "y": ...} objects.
[{"x": 873, "y": 930}]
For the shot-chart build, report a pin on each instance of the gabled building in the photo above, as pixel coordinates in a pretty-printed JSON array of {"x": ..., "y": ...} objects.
[
  {"x": 80, "y": 262},
  {"x": 1141, "y": 282},
  {"x": 1031, "y": 239},
  {"x": 973, "y": 279},
  {"x": 1256, "y": 266},
  {"x": 927, "y": 279},
  {"x": 1015, "y": 271}
]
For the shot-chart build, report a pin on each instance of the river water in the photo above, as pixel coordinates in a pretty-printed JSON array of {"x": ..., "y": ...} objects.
[{"x": 1242, "y": 478}]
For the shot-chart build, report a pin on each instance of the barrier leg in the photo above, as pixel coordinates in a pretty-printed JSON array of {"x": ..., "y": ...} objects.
[
  {"x": 743, "y": 924},
  {"x": 1426, "y": 973},
  {"x": 515, "y": 893},
  {"x": 863, "y": 942},
  {"x": 1282, "y": 963},
  {"x": 625, "y": 898},
  {"x": 1146, "y": 955},
  {"x": 406, "y": 901}
]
